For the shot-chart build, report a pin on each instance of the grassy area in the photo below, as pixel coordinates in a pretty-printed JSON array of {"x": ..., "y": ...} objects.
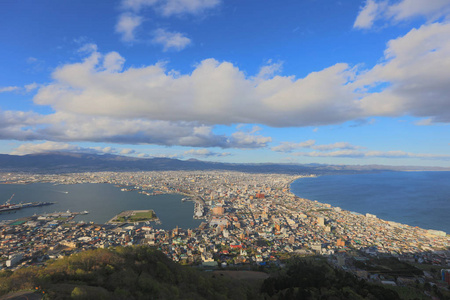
[
  {"x": 143, "y": 216},
  {"x": 136, "y": 217}
]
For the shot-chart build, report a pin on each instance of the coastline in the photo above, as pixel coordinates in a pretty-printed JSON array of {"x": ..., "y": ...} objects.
[{"x": 363, "y": 212}]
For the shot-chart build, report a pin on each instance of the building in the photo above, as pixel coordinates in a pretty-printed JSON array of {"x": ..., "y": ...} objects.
[
  {"x": 14, "y": 259},
  {"x": 218, "y": 210}
]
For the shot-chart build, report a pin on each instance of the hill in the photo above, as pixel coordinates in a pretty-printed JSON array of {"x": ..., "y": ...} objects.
[
  {"x": 145, "y": 273},
  {"x": 65, "y": 162}
]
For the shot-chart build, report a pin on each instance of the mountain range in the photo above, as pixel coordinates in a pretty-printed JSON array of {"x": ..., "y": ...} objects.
[{"x": 65, "y": 162}]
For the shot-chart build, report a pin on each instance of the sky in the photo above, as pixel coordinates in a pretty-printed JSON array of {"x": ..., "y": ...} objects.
[{"x": 354, "y": 82}]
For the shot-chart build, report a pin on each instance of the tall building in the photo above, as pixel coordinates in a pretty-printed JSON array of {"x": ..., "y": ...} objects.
[{"x": 321, "y": 221}]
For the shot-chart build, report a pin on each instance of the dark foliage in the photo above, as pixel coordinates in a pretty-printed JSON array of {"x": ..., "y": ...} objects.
[
  {"x": 122, "y": 273},
  {"x": 315, "y": 279}
]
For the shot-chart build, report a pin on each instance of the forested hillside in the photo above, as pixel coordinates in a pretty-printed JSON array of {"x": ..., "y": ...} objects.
[{"x": 145, "y": 273}]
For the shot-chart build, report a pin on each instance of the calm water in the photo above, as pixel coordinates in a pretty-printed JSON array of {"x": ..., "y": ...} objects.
[
  {"x": 415, "y": 198},
  {"x": 103, "y": 201}
]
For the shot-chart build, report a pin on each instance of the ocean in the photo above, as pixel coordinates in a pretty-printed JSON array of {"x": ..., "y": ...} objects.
[
  {"x": 415, "y": 198},
  {"x": 102, "y": 201}
]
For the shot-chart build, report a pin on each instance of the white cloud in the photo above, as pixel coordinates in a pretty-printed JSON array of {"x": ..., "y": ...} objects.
[
  {"x": 50, "y": 146},
  {"x": 68, "y": 127},
  {"x": 373, "y": 154},
  {"x": 127, "y": 151},
  {"x": 247, "y": 140},
  {"x": 413, "y": 78},
  {"x": 289, "y": 146},
  {"x": 205, "y": 153},
  {"x": 269, "y": 70},
  {"x": 113, "y": 62},
  {"x": 369, "y": 13},
  {"x": 431, "y": 9},
  {"x": 27, "y": 88},
  {"x": 170, "y": 40},
  {"x": 214, "y": 93},
  {"x": 337, "y": 145},
  {"x": 126, "y": 26},
  {"x": 98, "y": 100},
  {"x": 178, "y": 7},
  {"x": 416, "y": 71},
  {"x": 30, "y": 87},
  {"x": 171, "y": 7},
  {"x": 396, "y": 11},
  {"x": 137, "y": 5},
  {"x": 30, "y": 148},
  {"x": 131, "y": 18},
  {"x": 8, "y": 89},
  {"x": 311, "y": 144}
]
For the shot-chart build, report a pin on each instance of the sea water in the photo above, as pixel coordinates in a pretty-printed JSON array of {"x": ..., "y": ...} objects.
[
  {"x": 415, "y": 198},
  {"x": 102, "y": 201}
]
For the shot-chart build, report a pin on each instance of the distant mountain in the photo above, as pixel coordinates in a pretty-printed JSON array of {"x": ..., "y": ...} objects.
[{"x": 63, "y": 162}]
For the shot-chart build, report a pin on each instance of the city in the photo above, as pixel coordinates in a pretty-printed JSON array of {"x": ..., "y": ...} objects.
[{"x": 247, "y": 220}]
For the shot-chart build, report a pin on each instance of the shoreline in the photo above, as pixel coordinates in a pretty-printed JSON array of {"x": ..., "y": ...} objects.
[{"x": 362, "y": 213}]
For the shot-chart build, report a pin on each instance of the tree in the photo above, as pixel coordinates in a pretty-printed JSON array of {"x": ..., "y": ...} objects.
[{"x": 78, "y": 293}]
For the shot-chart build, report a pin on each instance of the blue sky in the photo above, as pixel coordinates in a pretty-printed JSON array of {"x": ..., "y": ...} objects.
[{"x": 305, "y": 81}]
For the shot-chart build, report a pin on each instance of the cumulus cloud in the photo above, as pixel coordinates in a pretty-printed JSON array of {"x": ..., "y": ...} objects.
[
  {"x": 170, "y": 40},
  {"x": 248, "y": 139},
  {"x": 396, "y": 11},
  {"x": 413, "y": 78},
  {"x": 126, "y": 26},
  {"x": 68, "y": 127},
  {"x": 30, "y": 148},
  {"x": 17, "y": 125},
  {"x": 97, "y": 99},
  {"x": 214, "y": 93},
  {"x": 416, "y": 71},
  {"x": 205, "y": 153}
]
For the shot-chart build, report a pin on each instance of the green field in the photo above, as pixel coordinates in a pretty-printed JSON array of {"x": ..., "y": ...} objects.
[{"x": 135, "y": 217}]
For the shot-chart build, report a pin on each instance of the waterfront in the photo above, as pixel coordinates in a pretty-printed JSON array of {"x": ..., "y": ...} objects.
[
  {"x": 415, "y": 198},
  {"x": 103, "y": 201},
  {"x": 251, "y": 219}
]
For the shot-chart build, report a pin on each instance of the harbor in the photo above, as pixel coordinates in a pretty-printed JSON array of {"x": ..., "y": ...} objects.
[{"x": 8, "y": 207}]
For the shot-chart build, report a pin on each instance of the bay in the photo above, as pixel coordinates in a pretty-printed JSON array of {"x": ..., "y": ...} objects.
[
  {"x": 102, "y": 201},
  {"x": 414, "y": 198}
]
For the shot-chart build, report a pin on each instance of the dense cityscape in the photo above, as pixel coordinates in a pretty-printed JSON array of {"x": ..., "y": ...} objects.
[{"x": 248, "y": 220}]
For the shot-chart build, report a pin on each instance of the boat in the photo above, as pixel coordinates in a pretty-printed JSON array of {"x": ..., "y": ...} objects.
[{"x": 12, "y": 207}]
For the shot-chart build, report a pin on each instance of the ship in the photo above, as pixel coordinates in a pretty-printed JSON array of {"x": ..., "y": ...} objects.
[{"x": 8, "y": 207}]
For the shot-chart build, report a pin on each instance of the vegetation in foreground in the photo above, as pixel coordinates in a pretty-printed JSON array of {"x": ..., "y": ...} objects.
[{"x": 145, "y": 273}]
